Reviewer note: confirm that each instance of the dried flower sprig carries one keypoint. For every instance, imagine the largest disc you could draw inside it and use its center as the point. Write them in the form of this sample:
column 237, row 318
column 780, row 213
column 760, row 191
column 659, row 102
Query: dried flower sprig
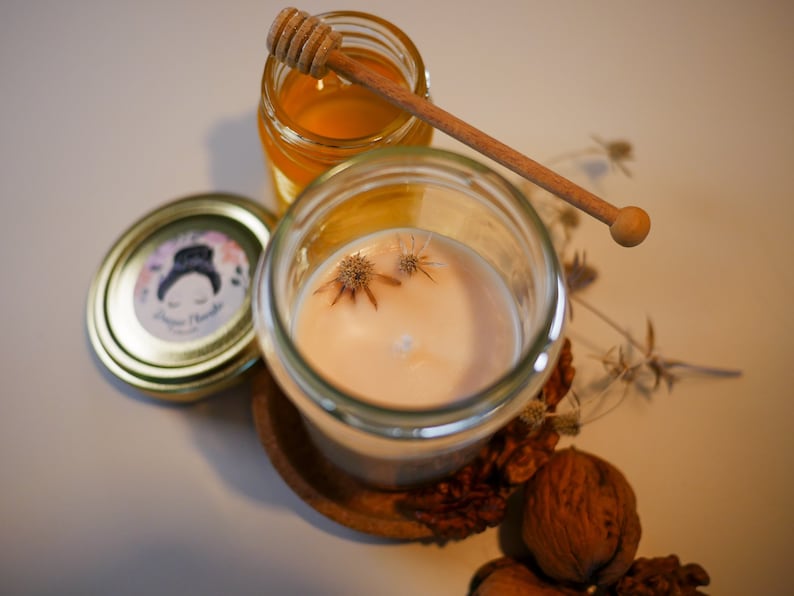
column 616, row 151
column 631, row 364
column 355, row 273
column 412, row 261
column 578, row 276
column 661, row 368
column 635, row 364
column 536, row 412
column 561, row 219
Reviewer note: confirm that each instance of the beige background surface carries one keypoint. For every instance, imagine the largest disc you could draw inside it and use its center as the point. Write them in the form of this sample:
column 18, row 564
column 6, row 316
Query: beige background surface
column 110, row 109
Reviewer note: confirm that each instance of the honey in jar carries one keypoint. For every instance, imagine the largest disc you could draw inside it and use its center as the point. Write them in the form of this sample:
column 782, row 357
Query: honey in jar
column 309, row 125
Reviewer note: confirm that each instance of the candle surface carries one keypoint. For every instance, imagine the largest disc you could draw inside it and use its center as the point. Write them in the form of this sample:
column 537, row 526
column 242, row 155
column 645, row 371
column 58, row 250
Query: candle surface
column 429, row 342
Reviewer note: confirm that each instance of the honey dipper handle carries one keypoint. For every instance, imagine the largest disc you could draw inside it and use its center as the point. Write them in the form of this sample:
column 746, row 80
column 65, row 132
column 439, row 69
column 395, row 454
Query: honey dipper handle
column 629, row 226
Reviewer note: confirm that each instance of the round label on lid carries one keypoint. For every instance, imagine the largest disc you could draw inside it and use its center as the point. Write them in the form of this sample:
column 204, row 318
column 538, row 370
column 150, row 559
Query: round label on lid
column 169, row 309
column 191, row 285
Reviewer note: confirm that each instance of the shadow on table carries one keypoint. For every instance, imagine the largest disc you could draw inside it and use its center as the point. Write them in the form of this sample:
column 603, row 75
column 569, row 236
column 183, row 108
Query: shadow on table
column 167, row 566
column 236, row 160
column 222, row 426
column 223, row 429
column 511, row 544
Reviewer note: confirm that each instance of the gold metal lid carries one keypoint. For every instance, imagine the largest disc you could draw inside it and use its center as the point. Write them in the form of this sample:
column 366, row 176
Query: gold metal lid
column 169, row 310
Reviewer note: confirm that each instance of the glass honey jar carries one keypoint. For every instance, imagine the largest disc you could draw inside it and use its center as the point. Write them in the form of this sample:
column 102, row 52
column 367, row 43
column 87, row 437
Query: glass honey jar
column 308, row 125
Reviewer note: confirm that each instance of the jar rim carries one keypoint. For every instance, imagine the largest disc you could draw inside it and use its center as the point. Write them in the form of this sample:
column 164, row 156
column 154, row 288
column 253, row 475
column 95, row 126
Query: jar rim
column 473, row 410
column 295, row 134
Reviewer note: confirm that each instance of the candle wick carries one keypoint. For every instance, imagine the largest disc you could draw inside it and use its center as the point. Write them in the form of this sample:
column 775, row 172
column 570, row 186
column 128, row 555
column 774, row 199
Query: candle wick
column 404, row 345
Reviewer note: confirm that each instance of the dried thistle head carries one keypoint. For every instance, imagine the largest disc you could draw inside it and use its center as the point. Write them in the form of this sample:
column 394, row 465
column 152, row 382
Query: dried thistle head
column 355, row 273
column 567, row 423
column 578, row 274
column 412, row 261
column 560, row 218
column 569, row 217
column 617, row 364
column 534, row 414
column 618, row 152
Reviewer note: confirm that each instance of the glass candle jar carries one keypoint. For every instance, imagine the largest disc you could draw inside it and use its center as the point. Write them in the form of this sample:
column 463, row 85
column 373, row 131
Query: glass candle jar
column 403, row 367
column 309, row 125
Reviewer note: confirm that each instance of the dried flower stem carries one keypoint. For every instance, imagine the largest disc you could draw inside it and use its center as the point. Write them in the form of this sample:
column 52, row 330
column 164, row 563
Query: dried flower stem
column 648, row 350
column 606, row 319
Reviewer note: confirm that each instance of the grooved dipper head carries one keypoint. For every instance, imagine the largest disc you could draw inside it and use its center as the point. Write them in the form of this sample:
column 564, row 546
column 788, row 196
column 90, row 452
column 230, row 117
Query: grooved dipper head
column 302, row 41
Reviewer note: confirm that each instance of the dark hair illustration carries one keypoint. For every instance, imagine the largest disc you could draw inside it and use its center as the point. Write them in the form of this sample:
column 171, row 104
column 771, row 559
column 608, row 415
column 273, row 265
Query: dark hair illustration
column 191, row 259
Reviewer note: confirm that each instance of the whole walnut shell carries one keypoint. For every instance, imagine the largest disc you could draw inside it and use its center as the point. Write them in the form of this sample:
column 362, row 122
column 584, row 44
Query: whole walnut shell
column 580, row 519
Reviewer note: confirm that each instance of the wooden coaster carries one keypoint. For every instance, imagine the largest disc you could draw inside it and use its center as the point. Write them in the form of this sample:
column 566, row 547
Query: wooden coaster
column 459, row 505
column 323, row 486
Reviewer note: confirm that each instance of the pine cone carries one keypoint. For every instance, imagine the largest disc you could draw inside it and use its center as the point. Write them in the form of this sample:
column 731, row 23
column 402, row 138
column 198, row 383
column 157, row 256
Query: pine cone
column 528, row 457
column 475, row 498
column 480, row 509
column 662, row 576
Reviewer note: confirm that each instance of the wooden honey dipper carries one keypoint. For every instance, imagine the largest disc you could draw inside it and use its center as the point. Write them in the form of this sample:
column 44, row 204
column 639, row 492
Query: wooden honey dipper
column 311, row 46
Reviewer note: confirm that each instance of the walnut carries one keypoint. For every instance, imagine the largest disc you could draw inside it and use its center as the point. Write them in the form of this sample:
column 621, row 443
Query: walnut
column 580, row 520
column 661, row 576
column 508, row 577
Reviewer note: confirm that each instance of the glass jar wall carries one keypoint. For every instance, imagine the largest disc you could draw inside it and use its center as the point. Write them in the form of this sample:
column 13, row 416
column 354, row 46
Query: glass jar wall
column 308, row 125
column 469, row 229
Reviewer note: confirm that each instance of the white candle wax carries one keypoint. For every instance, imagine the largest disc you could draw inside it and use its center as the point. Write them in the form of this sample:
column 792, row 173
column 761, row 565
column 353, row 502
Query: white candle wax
column 429, row 342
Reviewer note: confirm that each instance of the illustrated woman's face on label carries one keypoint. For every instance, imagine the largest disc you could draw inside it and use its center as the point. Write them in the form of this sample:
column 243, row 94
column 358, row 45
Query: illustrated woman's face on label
column 191, row 286
column 190, row 293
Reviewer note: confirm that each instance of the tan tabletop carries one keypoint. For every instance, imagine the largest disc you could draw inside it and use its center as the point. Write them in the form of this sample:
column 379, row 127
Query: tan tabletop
column 111, row 109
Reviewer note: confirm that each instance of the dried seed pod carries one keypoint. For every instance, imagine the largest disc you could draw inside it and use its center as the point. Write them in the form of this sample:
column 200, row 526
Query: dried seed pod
column 580, row 519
